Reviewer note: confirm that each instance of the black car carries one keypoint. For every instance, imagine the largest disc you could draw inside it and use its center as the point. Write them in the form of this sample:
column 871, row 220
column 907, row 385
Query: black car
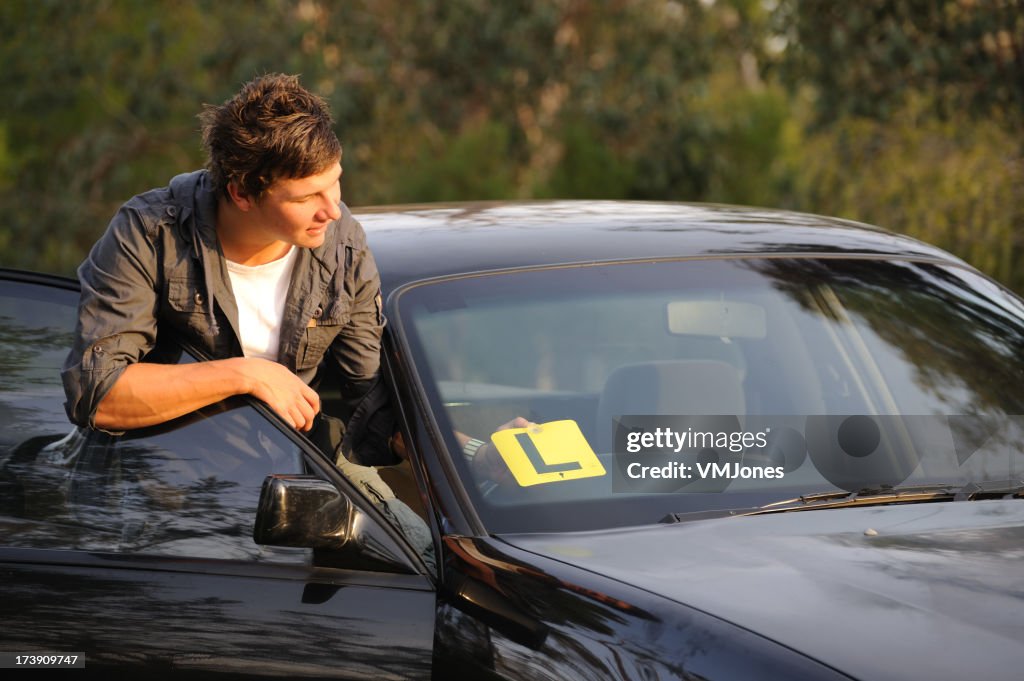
column 752, row 445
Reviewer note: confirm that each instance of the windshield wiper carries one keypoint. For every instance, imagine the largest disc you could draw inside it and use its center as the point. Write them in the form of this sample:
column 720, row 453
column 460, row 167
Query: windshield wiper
column 874, row 496
column 991, row 489
column 868, row 496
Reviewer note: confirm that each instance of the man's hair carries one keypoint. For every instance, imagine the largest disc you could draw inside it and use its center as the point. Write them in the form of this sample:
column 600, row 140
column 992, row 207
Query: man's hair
column 272, row 129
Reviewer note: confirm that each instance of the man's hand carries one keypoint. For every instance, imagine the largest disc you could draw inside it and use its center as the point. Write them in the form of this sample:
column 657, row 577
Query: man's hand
column 283, row 391
column 488, row 462
column 517, row 422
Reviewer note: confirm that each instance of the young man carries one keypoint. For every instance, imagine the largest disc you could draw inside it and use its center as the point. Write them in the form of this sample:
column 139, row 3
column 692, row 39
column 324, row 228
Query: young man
column 254, row 260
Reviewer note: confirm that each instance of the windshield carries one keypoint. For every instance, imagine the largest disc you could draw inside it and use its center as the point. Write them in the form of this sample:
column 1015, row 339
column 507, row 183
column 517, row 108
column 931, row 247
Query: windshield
column 674, row 387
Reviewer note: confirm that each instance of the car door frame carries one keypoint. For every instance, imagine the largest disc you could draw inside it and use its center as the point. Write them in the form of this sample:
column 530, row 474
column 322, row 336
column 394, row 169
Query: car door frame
column 131, row 611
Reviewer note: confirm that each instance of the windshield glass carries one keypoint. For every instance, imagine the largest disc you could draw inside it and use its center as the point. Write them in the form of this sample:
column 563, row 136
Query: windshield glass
column 683, row 386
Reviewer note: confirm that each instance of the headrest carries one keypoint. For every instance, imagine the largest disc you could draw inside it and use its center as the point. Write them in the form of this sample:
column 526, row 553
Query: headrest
column 669, row 388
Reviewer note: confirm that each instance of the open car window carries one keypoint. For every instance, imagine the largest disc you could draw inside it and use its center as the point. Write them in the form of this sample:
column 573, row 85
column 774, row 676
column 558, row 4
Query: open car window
column 186, row 488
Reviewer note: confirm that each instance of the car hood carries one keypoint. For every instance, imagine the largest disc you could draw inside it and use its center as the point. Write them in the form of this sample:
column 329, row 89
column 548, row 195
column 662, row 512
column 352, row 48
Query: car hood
column 914, row 591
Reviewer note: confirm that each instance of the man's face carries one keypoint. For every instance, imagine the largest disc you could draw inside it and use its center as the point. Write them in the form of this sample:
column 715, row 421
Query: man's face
column 298, row 211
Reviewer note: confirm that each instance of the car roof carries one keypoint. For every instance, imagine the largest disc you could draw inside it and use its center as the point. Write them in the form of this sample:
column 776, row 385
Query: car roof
column 417, row 242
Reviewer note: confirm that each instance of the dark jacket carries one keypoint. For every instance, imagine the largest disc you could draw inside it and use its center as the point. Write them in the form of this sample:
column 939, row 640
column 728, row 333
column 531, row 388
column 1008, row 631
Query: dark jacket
column 157, row 278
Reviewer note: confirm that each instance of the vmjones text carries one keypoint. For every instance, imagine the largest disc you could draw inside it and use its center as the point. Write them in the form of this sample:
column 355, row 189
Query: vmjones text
column 703, row 471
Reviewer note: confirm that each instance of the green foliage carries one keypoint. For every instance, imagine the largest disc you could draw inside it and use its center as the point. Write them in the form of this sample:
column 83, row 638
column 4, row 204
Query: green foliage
column 955, row 183
column 916, row 119
column 866, row 57
column 440, row 174
column 101, row 104
column 588, row 168
column 752, row 148
column 904, row 113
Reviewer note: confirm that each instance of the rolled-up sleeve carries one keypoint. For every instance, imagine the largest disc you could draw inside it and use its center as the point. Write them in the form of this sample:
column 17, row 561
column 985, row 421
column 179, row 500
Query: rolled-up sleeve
column 117, row 314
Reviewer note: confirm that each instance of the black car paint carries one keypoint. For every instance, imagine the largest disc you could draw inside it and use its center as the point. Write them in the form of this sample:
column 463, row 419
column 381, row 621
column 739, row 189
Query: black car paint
column 166, row 618
column 823, row 583
column 511, row 607
column 550, row 619
column 415, row 243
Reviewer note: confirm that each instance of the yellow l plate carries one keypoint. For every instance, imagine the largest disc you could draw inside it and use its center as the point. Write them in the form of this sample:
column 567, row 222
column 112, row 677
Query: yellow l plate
column 548, row 452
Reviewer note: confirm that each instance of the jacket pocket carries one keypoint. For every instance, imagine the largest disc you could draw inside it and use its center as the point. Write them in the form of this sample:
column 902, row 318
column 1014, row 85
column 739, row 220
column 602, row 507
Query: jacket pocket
column 187, row 305
column 184, row 295
column 321, row 331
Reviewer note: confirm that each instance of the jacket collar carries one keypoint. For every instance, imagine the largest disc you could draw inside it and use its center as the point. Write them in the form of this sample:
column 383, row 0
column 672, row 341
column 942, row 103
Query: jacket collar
column 198, row 199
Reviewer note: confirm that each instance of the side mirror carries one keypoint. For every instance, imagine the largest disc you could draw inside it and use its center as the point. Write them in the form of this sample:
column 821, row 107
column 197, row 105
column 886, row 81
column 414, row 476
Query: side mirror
column 307, row 512
column 302, row 511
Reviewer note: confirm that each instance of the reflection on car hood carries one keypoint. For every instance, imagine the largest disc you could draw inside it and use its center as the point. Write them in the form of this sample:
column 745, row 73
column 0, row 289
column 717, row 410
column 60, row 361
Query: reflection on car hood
column 915, row 591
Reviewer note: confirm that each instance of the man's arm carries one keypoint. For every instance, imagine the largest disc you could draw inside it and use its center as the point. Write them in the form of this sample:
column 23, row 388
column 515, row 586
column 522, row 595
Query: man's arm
column 147, row 394
column 356, row 351
column 357, row 347
column 116, row 311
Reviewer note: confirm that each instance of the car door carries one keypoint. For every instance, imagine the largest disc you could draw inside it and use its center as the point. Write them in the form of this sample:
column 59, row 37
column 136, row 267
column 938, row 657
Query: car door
column 137, row 551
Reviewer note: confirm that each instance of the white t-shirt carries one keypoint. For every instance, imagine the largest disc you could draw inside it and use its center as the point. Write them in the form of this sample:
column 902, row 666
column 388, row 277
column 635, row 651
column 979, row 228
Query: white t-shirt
column 260, row 293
